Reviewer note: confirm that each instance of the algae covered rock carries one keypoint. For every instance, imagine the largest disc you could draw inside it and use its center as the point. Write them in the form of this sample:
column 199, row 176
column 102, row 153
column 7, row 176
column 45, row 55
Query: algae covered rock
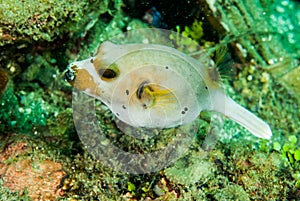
column 232, row 192
column 27, row 170
column 190, row 170
column 45, row 20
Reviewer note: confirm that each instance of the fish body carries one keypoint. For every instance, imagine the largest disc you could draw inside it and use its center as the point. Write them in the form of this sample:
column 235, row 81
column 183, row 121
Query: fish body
column 156, row 86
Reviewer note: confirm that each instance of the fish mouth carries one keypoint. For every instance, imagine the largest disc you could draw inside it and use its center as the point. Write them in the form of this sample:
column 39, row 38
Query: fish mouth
column 70, row 73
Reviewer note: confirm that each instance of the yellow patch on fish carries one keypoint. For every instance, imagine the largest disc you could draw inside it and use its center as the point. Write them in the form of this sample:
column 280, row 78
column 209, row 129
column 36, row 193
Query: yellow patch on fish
column 153, row 95
column 83, row 80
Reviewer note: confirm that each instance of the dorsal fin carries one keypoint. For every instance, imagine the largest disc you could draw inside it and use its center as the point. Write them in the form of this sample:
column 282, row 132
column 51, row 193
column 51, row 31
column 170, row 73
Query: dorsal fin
column 224, row 62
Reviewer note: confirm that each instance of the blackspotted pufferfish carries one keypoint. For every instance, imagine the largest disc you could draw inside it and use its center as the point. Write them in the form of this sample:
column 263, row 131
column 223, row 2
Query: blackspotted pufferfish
column 156, row 86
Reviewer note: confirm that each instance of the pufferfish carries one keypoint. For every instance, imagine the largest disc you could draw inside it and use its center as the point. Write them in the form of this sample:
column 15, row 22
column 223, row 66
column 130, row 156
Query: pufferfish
column 156, row 86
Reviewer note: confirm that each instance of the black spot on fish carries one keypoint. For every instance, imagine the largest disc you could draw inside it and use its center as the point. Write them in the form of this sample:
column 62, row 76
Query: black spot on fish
column 124, row 107
column 182, row 112
column 185, row 109
column 205, row 87
column 167, row 67
column 145, row 106
column 92, row 60
column 127, row 92
column 117, row 114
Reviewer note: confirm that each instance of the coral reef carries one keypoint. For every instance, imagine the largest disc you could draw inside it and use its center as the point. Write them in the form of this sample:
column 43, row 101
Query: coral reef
column 39, row 143
column 46, row 20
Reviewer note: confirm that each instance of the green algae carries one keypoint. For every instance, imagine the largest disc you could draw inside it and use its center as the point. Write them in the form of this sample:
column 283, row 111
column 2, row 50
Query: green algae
column 24, row 114
column 288, row 77
column 6, row 194
column 39, row 92
column 256, row 172
column 88, row 180
column 290, row 151
column 241, row 172
column 25, row 111
column 46, row 20
column 266, row 32
column 263, row 95
column 190, row 170
column 232, row 192
column 272, row 26
column 195, row 31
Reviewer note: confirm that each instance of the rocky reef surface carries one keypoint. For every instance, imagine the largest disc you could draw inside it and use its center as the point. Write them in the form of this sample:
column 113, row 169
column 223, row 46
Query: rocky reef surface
column 41, row 156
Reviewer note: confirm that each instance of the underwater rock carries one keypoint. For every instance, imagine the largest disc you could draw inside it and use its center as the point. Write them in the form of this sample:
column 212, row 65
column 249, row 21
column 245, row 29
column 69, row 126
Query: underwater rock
column 190, row 170
column 45, row 20
column 290, row 78
column 20, row 171
column 232, row 192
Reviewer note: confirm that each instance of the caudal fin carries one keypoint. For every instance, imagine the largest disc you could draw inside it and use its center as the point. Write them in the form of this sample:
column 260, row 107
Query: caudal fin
column 237, row 113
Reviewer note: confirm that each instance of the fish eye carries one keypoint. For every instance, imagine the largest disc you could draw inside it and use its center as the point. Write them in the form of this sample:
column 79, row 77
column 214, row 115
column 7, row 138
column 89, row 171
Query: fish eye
column 109, row 73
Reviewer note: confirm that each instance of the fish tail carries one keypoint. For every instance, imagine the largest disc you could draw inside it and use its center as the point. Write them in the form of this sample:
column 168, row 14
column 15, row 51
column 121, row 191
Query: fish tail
column 245, row 118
